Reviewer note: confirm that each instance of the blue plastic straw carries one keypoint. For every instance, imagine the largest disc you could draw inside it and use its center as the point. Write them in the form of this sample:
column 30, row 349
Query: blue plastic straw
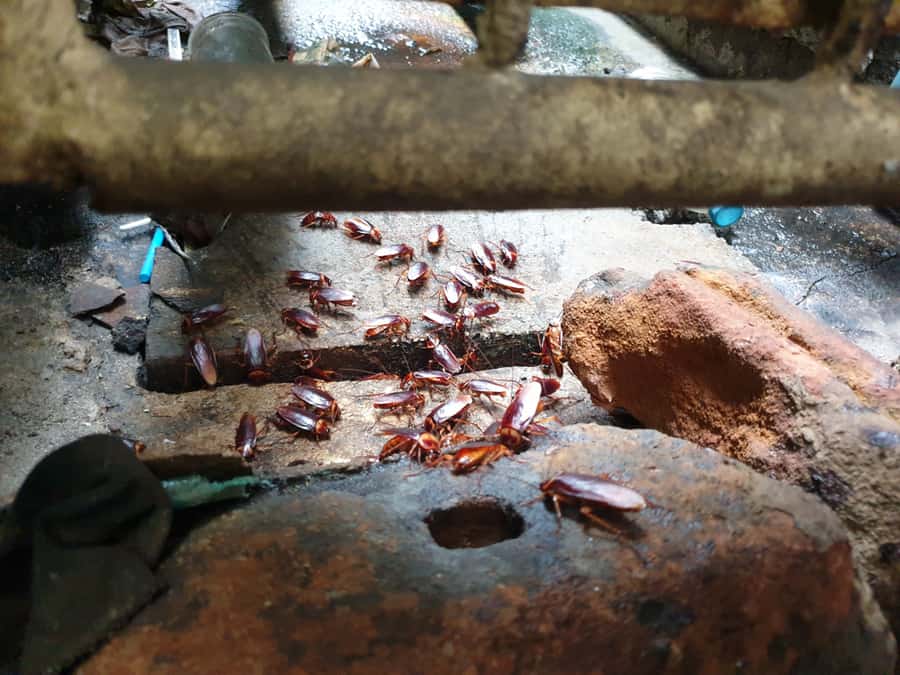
column 896, row 84
column 726, row 216
column 147, row 267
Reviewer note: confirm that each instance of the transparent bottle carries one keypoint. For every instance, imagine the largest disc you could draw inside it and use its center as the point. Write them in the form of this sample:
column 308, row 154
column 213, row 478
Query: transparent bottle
column 229, row 37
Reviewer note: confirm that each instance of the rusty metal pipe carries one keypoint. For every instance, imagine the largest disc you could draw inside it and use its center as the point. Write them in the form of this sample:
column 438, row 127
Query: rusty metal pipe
column 253, row 138
column 770, row 14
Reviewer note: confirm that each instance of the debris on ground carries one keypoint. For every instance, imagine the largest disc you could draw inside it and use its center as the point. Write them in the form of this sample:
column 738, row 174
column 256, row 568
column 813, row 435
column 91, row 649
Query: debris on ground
column 91, row 297
column 129, row 335
column 137, row 27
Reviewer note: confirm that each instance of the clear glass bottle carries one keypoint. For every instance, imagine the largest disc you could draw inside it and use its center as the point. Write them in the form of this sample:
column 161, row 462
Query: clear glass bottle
column 229, row 37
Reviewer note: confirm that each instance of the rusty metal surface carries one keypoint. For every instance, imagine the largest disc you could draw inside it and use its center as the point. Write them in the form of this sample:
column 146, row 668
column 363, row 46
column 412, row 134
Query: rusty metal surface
column 279, row 138
column 727, row 567
column 245, row 269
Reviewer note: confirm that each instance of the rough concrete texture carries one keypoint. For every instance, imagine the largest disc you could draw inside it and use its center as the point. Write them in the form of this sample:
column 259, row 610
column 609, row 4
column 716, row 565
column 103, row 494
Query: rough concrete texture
column 193, row 433
column 722, row 359
column 747, row 53
column 726, row 571
column 245, row 269
column 840, row 264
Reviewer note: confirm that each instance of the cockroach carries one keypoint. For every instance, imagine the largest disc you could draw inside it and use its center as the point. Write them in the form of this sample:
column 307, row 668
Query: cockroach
column 470, row 456
column 483, row 259
column 483, row 388
column 202, row 317
column 317, row 399
column 137, row 447
column 394, row 252
column 398, row 399
column 448, row 412
column 302, row 279
column 246, row 436
column 481, row 310
column 589, row 493
column 389, row 324
column 470, row 281
column 519, row 415
column 256, row 356
column 503, row 284
column 307, row 363
column 417, row 274
column 453, row 294
column 427, row 378
column 319, row 219
column 443, row 320
column 419, row 445
column 551, row 353
column 204, row 360
column 549, row 385
column 362, row 230
column 300, row 320
column 509, row 254
column 446, row 359
column 298, row 419
column 435, row 236
column 333, row 297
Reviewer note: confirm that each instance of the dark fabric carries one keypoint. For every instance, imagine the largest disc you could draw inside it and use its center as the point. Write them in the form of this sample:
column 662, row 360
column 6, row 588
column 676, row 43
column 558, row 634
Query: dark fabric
column 98, row 521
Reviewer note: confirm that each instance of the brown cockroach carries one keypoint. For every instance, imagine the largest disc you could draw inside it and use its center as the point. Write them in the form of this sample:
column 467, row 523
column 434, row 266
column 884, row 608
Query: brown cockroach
column 307, row 364
column 394, row 252
column 300, row 320
column 483, row 259
column 294, row 418
column 317, row 399
column 435, row 236
column 202, row 317
column 396, row 400
column 319, row 219
column 453, row 294
column 246, row 436
column 479, row 387
column 447, row 413
column 551, row 353
column 588, row 493
column 504, row 284
column 389, row 324
column 549, row 385
column 446, row 359
column 509, row 254
column 427, row 378
column 419, row 445
column 362, row 230
column 443, row 320
column 519, row 415
column 481, row 310
column 470, row 281
column 256, row 356
column 331, row 297
column 302, row 279
column 417, row 274
column 204, row 360
column 470, row 456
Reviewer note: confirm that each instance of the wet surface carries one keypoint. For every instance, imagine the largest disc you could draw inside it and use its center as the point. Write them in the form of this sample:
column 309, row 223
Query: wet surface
column 840, row 264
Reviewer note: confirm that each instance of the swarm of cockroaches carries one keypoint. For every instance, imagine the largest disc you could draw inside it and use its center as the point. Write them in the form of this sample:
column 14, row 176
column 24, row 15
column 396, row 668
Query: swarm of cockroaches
column 313, row 411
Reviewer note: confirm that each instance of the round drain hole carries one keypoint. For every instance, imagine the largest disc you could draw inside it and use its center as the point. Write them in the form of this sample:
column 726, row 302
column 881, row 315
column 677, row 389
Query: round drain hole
column 474, row 524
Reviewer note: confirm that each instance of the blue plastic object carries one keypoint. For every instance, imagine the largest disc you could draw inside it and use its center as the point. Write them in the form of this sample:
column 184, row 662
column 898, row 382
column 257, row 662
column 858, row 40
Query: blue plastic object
column 147, row 267
column 896, row 83
column 726, row 216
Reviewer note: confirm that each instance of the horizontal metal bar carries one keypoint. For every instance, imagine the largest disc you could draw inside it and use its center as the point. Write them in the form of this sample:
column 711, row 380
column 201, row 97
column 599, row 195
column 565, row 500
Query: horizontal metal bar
column 148, row 135
column 770, row 14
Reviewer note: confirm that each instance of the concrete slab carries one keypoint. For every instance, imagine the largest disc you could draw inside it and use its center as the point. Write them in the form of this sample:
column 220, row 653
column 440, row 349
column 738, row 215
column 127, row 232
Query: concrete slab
column 194, row 432
column 247, row 264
